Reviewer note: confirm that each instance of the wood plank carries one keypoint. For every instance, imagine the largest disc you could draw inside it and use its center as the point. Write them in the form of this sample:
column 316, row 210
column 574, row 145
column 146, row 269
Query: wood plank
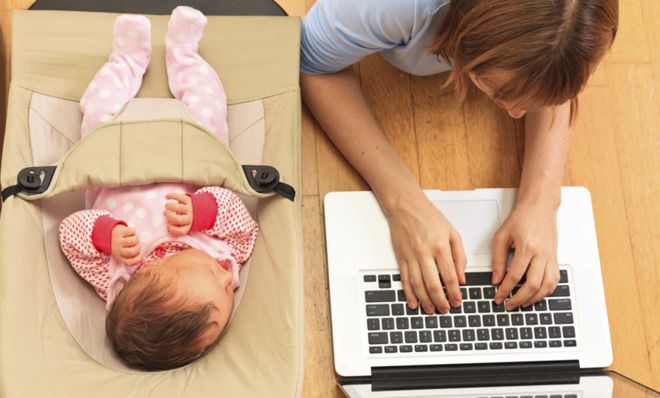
column 310, row 131
column 593, row 163
column 319, row 366
column 637, row 135
column 492, row 142
column 630, row 44
column 650, row 13
column 441, row 135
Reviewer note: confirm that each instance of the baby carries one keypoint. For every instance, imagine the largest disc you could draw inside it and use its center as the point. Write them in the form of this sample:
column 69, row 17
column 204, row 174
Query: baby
column 165, row 257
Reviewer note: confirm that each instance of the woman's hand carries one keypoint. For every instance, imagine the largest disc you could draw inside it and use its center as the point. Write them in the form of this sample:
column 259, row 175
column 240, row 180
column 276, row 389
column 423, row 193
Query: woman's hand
column 426, row 245
column 532, row 231
column 179, row 214
column 125, row 245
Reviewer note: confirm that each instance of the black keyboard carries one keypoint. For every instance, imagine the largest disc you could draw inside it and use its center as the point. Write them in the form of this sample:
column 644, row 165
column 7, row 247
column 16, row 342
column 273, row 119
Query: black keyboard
column 478, row 325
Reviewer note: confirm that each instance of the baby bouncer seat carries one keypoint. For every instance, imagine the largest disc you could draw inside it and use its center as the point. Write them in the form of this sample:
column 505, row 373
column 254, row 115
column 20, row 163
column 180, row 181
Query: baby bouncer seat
column 52, row 342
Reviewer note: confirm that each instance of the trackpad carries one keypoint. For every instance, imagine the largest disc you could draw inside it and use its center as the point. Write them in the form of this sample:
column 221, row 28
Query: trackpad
column 476, row 221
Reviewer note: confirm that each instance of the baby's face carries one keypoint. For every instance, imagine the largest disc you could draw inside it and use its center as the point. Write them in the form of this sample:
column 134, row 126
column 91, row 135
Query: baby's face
column 200, row 279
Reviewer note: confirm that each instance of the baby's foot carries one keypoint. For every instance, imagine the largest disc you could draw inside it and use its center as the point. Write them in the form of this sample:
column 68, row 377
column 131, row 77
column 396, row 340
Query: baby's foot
column 132, row 38
column 185, row 28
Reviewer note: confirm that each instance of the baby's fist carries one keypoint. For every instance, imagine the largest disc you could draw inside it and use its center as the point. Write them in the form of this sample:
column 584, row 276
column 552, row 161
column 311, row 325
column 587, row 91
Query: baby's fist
column 178, row 213
column 126, row 245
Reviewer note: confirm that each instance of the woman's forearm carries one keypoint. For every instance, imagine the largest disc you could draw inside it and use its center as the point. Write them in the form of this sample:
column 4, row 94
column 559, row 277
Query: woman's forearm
column 547, row 135
column 339, row 105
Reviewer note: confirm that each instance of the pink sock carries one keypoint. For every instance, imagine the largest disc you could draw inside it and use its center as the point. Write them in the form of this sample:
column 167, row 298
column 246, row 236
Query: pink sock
column 191, row 79
column 120, row 78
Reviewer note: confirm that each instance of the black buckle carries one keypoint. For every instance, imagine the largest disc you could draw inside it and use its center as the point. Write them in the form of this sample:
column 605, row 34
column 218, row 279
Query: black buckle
column 31, row 180
column 265, row 179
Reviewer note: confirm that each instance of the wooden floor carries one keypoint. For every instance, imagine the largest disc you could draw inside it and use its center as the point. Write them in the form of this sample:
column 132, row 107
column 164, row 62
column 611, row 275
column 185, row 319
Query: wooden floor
column 615, row 153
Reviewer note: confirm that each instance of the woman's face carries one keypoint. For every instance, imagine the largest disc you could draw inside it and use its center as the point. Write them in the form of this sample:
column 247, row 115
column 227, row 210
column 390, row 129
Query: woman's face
column 489, row 83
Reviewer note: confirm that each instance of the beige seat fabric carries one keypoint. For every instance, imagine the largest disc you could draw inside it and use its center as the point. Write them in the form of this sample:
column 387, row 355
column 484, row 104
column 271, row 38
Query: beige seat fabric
column 54, row 55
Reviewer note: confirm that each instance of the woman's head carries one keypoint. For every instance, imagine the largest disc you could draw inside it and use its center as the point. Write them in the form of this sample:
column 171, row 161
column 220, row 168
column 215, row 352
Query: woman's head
column 172, row 311
column 526, row 53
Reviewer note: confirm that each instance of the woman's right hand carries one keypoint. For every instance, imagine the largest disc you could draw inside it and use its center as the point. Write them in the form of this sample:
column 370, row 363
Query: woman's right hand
column 426, row 245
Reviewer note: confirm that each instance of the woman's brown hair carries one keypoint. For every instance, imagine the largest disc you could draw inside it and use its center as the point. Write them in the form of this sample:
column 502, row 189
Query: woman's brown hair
column 549, row 46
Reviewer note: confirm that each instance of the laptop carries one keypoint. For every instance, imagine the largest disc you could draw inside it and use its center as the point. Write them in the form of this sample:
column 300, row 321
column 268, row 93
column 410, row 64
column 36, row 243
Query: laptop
column 380, row 342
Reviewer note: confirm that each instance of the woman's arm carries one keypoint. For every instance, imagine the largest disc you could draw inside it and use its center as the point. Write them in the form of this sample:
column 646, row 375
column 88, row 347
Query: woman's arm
column 532, row 226
column 424, row 241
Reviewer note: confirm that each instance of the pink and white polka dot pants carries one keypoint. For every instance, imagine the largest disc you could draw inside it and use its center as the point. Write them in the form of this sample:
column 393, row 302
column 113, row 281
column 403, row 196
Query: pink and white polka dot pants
column 191, row 79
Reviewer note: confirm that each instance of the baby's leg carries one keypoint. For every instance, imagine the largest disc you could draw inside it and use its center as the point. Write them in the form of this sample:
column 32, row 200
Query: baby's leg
column 120, row 78
column 191, row 79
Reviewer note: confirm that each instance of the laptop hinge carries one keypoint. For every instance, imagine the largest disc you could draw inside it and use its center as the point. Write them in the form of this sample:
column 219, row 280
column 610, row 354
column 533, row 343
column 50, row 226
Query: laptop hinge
column 474, row 375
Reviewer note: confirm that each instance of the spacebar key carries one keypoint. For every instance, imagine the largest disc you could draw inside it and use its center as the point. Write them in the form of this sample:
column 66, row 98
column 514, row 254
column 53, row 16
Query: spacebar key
column 478, row 278
column 379, row 296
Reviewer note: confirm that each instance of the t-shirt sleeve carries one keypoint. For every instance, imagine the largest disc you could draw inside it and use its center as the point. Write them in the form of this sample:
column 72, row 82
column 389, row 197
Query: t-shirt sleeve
column 338, row 33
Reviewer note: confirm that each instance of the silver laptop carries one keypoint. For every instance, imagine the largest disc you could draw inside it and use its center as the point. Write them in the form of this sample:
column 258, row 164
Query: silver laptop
column 378, row 339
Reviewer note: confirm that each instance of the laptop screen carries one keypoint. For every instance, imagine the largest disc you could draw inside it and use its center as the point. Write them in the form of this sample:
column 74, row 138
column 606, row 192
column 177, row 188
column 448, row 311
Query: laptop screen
column 603, row 385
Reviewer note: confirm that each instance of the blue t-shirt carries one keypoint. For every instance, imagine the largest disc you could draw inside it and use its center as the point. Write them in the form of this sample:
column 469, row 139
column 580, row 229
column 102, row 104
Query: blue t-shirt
column 339, row 33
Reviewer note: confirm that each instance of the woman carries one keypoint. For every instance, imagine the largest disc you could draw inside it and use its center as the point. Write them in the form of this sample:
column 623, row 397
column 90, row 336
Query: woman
column 531, row 57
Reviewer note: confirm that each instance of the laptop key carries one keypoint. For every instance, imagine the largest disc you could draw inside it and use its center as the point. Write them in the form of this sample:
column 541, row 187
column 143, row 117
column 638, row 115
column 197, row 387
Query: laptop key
column 377, row 338
column 511, row 334
column 396, row 337
column 451, row 347
column 468, row 335
column 483, row 334
column 488, row 320
column 405, row 348
column 466, row 347
column 568, row 331
column 454, row 335
column 369, row 278
column 464, row 294
column 417, row 322
column 554, row 332
column 402, row 323
column 525, row 344
column 483, row 306
column 410, row 311
column 497, row 307
column 378, row 310
column 387, row 323
column 531, row 319
column 503, row 320
column 460, row 321
column 425, row 336
column 421, row 348
column 526, row 333
column 555, row 343
column 563, row 276
column 497, row 334
column 375, row 350
column 540, row 333
column 400, row 296
column 541, row 305
column 545, row 318
column 540, row 344
column 439, row 336
column 410, row 337
column 562, row 318
column 475, row 293
column 436, row 347
column 474, row 321
column 397, row 309
column 481, row 346
column 390, row 349
column 379, row 296
column 517, row 319
column 495, row 346
column 469, row 307
column 561, row 291
column 510, row 345
column 570, row 343
column 373, row 324
column 445, row 322
column 384, row 278
column 560, row 305
column 455, row 310
column 477, row 278
column 489, row 292
column 396, row 277
column 431, row 322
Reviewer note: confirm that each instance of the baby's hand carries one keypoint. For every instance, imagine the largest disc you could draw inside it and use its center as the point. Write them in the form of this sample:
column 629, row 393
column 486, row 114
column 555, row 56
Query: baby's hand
column 126, row 245
column 179, row 214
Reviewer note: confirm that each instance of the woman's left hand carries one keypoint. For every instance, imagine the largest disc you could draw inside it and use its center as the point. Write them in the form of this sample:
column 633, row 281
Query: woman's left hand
column 531, row 229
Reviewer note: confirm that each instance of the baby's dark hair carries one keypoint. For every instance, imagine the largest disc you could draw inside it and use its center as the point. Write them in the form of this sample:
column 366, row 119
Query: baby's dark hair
column 155, row 331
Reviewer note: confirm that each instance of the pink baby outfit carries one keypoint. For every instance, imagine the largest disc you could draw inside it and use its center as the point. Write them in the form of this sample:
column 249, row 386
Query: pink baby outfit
column 222, row 226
